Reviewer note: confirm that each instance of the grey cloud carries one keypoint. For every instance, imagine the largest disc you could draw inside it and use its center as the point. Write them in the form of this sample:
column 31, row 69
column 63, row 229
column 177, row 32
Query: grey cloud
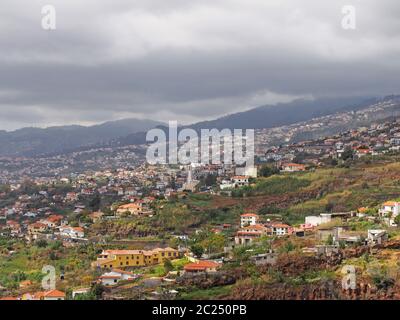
column 187, row 60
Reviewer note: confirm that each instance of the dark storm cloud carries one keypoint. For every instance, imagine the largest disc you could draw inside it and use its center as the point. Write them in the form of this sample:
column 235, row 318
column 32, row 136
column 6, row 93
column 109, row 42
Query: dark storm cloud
column 187, row 60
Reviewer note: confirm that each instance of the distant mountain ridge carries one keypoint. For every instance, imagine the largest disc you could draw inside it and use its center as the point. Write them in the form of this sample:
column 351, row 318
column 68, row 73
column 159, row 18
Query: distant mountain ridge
column 284, row 113
column 270, row 116
column 38, row 141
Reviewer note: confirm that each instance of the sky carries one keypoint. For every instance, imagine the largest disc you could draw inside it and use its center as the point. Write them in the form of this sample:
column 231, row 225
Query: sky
column 187, row 60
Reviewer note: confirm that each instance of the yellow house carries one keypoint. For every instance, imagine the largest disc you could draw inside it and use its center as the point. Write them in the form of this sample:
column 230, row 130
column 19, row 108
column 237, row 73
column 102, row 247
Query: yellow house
column 110, row 259
column 136, row 209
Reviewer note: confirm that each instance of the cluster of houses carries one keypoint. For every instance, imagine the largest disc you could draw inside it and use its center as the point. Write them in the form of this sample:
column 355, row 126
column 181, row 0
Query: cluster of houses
column 51, row 227
column 111, row 259
column 341, row 233
column 251, row 228
column 380, row 137
column 40, row 295
column 136, row 207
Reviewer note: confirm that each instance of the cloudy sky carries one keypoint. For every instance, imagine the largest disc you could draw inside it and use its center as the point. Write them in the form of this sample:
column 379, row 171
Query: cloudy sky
column 187, row 60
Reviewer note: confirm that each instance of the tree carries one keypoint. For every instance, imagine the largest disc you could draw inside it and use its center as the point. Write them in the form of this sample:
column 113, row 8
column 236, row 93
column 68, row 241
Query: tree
column 172, row 183
column 214, row 243
column 347, row 154
column 41, row 243
column 288, row 247
column 94, row 203
column 197, row 250
column 329, row 207
column 329, row 241
column 210, row 180
column 97, row 290
column 168, row 266
column 267, row 171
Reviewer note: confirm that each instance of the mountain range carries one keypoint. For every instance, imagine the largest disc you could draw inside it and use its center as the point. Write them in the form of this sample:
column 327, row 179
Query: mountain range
column 38, row 141
column 31, row 142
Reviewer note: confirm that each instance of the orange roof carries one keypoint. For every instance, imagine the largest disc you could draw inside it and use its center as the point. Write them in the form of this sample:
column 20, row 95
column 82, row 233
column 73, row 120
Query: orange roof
column 363, row 149
column 109, row 277
column 122, row 271
column 249, row 215
column 129, row 206
column 96, row 214
column 123, row 251
column 9, row 298
column 49, row 294
column 201, row 265
column 243, row 233
column 256, row 226
column 294, row 165
column 37, row 225
column 54, row 218
column 54, row 294
column 390, row 203
column 25, row 283
column 279, row 225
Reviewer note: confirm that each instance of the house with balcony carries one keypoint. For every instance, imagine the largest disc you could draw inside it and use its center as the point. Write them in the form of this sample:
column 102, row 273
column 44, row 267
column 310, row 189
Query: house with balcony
column 389, row 211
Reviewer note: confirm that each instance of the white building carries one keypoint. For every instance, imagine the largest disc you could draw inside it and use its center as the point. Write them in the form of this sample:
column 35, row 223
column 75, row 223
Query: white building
column 377, row 236
column 240, row 181
column 250, row 171
column 317, row 220
column 389, row 211
column 72, row 232
column 248, row 219
column 226, row 184
column 115, row 276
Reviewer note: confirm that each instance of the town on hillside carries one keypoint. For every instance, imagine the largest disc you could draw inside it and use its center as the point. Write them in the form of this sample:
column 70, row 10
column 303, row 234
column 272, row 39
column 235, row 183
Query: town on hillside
column 114, row 227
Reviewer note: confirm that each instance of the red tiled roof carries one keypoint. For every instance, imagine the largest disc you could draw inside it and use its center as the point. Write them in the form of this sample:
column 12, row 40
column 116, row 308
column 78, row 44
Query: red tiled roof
column 249, row 215
column 54, row 294
column 201, row 265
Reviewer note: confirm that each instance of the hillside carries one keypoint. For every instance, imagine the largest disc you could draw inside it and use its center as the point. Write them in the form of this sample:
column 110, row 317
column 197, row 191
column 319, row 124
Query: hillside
column 37, row 141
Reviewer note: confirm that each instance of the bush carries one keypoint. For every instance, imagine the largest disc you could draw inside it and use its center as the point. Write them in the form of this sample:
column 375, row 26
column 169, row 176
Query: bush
column 41, row 243
column 197, row 250
column 267, row 171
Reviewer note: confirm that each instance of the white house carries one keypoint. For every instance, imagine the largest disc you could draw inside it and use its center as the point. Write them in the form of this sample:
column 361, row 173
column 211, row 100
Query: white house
column 250, row 171
column 226, row 184
column 377, row 236
column 281, row 229
column 317, row 220
column 72, row 232
column 80, row 291
column 115, row 276
column 293, row 167
column 248, row 219
column 240, row 181
column 389, row 211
